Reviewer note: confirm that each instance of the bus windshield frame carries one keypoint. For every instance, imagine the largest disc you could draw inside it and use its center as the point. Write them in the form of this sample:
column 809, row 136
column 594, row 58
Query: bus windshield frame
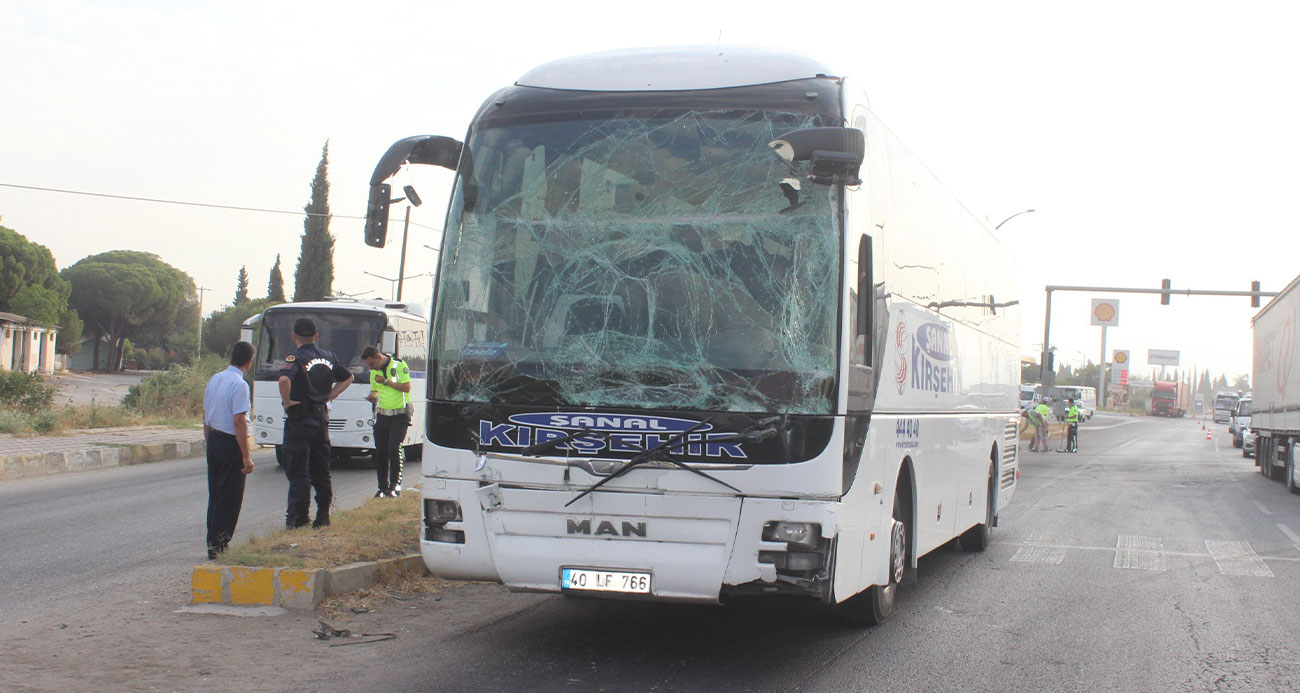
column 344, row 332
column 643, row 257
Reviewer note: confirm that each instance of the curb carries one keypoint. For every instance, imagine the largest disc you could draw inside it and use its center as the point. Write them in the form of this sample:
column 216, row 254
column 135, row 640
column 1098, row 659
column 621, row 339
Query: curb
column 34, row 465
column 293, row 588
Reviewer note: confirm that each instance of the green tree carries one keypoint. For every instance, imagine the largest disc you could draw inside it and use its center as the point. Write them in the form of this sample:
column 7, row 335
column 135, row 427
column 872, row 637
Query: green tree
column 241, row 286
column 221, row 329
column 30, row 286
column 275, row 285
column 315, row 274
column 1242, row 383
column 126, row 294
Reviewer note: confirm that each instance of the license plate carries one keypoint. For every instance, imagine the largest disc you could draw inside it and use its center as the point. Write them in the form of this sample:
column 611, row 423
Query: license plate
column 604, row 580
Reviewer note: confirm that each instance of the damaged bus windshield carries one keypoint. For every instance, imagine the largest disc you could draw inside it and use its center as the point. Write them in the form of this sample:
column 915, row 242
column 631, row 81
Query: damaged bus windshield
column 639, row 259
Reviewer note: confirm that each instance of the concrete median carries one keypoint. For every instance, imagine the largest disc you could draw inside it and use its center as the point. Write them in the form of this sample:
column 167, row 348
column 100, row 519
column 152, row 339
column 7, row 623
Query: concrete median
column 294, row 588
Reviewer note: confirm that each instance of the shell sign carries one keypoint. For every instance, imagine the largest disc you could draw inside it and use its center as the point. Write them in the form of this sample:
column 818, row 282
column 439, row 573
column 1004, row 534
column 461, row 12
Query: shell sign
column 1105, row 312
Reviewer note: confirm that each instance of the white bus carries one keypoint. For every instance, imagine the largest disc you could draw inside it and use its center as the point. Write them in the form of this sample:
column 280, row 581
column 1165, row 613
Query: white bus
column 346, row 327
column 679, row 351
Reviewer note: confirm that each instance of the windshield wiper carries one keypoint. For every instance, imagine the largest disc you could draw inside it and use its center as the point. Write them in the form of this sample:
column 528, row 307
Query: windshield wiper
column 758, row 432
column 658, row 452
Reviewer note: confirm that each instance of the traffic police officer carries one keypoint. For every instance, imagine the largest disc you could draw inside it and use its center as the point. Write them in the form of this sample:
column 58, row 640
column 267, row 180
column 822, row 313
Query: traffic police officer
column 1072, row 420
column 311, row 379
column 390, row 391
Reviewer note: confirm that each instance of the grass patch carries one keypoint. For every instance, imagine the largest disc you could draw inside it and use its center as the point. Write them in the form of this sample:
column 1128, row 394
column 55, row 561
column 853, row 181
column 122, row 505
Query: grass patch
column 72, row 418
column 379, row 528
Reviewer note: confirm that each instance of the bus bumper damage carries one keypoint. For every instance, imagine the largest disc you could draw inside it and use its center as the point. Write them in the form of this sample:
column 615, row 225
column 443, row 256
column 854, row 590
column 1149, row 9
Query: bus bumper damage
column 691, row 548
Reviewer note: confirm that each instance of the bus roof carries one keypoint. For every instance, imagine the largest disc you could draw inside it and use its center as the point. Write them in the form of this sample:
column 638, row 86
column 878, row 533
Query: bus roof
column 681, row 68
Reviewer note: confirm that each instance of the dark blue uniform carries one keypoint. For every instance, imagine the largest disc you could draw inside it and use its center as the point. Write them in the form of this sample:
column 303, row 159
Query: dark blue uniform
column 312, row 372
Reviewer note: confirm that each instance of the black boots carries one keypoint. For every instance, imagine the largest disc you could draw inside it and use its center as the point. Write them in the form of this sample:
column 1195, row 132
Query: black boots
column 322, row 517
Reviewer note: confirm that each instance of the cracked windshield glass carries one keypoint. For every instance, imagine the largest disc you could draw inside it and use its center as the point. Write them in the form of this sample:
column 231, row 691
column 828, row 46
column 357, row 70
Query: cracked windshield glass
column 668, row 261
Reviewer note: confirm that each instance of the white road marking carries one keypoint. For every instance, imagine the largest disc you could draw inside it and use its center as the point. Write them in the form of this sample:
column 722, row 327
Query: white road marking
column 1237, row 558
column 1261, row 507
column 1295, row 539
column 1052, row 555
column 1139, row 553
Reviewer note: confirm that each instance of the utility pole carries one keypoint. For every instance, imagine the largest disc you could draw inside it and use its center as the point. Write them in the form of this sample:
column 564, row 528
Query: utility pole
column 198, row 347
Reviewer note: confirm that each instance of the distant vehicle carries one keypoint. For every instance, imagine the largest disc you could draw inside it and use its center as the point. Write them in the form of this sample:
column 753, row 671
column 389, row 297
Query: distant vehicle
column 1248, row 443
column 1084, row 396
column 1169, row 399
column 1275, row 418
column 1027, row 397
column 346, row 327
column 1198, row 404
column 1240, row 420
column 1223, row 404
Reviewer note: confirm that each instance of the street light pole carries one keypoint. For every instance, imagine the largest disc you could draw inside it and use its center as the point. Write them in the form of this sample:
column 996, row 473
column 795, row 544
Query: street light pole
column 401, row 267
column 393, row 280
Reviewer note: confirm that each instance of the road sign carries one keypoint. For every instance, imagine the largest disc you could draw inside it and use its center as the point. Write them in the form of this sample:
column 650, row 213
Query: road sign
column 1162, row 357
column 1105, row 312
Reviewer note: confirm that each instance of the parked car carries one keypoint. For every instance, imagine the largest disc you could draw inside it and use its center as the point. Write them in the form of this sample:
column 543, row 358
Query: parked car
column 1239, row 421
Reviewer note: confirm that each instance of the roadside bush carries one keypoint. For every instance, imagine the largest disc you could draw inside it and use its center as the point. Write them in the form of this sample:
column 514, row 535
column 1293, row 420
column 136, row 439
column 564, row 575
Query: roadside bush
column 176, row 392
column 25, row 392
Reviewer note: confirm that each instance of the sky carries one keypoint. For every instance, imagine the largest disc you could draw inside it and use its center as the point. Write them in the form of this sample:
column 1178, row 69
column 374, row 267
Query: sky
column 1153, row 140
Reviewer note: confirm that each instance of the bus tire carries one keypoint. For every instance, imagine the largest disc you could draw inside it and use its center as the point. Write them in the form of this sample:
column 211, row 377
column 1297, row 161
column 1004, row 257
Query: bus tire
column 977, row 538
column 875, row 605
column 279, row 455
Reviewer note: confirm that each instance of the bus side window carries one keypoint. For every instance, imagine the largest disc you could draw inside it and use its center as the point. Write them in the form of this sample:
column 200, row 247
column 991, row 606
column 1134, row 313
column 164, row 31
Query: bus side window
column 862, row 340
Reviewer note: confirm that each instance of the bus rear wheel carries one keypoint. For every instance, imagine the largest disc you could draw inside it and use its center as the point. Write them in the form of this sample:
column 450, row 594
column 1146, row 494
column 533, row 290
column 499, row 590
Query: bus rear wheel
column 977, row 538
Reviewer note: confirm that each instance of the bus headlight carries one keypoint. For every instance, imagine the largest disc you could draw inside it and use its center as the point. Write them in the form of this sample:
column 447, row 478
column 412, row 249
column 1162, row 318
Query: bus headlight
column 441, row 510
column 805, row 534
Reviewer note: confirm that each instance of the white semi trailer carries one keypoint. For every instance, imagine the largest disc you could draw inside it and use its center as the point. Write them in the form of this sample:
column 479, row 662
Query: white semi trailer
column 1275, row 419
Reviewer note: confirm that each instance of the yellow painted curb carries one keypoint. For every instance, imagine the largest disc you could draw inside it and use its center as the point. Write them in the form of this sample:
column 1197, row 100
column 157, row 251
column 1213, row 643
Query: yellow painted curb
column 207, row 584
column 252, row 585
column 300, row 589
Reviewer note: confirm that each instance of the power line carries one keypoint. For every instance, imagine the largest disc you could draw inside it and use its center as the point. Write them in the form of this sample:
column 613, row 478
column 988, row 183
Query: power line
column 191, row 204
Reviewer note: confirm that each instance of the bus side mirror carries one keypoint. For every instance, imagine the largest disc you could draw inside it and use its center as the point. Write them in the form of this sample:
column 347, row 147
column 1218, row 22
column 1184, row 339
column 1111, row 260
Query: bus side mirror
column 246, row 334
column 431, row 150
column 389, row 341
column 834, row 155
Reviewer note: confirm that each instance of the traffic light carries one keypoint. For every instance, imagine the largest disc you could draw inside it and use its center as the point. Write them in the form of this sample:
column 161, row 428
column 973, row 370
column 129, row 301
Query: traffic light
column 1254, row 296
column 1164, row 294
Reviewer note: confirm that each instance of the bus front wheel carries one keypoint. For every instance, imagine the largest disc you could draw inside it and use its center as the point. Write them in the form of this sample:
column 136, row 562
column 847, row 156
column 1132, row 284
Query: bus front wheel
column 875, row 605
column 977, row 538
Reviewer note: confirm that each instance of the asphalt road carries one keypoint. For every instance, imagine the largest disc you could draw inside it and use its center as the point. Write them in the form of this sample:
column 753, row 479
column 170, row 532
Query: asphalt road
column 1153, row 559
column 67, row 537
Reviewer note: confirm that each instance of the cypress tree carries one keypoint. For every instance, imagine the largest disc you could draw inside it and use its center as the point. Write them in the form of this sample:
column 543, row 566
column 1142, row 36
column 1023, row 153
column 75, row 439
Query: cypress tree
column 241, row 286
column 275, row 285
column 314, row 278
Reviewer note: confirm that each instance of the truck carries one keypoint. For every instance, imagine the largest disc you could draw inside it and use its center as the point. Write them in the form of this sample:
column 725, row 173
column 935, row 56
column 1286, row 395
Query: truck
column 1275, row 376
column 1223, row 405
column 1169, row 399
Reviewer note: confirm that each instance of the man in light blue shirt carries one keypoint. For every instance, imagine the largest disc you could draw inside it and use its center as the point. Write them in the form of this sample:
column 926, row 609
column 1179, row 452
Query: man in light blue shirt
column 225, row 427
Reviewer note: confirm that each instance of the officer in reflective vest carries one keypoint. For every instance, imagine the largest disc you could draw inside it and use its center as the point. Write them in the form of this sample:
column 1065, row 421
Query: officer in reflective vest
column 1072, row 420
column 390, row 391
column 310, row 380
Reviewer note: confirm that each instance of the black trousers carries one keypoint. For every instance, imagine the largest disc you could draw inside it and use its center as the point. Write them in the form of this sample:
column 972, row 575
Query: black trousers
column 225, row 488
column 389, row 432
column 1072, row 442
column 307, row 465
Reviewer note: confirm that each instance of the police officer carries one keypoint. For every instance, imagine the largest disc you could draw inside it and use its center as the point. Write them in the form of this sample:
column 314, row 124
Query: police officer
column 310, row 379
column 1072, row 420
column 390, row 391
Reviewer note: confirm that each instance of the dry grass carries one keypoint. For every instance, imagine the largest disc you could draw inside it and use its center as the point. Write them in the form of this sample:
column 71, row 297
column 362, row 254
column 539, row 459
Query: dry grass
column 399, row 589
column 379, row 528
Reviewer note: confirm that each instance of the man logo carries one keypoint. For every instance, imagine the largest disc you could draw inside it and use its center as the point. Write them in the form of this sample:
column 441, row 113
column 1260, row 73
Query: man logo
column 606, row 528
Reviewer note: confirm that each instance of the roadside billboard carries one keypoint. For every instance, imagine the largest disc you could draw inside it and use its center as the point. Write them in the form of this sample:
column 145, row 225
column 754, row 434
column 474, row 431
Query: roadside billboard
column 1105, row 312
column 1162, row 357
column 1119, row 365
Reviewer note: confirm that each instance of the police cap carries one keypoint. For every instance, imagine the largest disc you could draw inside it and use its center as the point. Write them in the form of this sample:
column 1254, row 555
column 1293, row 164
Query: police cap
column 304, row 327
